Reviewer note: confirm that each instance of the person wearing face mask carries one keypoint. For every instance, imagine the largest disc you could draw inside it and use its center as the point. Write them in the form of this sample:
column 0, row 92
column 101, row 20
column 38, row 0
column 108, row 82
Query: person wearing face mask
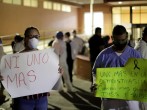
column 142, row 48
column 31, row 39
column 59, row 46
column 116, row 56
column 34, row 101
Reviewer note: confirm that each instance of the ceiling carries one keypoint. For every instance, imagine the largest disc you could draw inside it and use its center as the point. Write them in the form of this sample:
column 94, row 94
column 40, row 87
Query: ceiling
column 82, row 2
column 110, row 2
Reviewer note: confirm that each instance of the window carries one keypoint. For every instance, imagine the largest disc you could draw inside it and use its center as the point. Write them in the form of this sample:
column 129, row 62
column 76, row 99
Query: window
column 34, row 3
column 27, row 2
column 143, row 9
column 16, row 2
column 136, row 14
column 47, row 5
column 116, row 19
column 7, row 1
column 143, row 14
column 139, row 14
column 121, row 15
column 66, row 8
column 30, row 3
column 125, row 15
column 97, row 16
column 116, row 10
column 57, row 6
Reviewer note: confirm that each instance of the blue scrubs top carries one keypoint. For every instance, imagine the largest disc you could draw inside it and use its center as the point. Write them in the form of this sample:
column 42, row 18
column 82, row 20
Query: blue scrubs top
column 109, row 58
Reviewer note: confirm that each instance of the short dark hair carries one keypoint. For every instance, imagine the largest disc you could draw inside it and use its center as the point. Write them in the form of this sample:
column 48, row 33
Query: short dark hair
column 98, row 30
column 28, row 30
column 18, row 38
column 59, row 35
column 68, row 34
column 74, row 31
column 119, row 30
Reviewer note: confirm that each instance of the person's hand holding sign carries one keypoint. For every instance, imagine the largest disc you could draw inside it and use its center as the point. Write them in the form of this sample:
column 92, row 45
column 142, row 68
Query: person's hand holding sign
column 93, row 88
column 60, row 70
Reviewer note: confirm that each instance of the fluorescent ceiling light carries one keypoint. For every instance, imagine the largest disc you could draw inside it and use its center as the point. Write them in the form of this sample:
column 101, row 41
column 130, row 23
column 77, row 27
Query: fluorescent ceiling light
column 119, row 2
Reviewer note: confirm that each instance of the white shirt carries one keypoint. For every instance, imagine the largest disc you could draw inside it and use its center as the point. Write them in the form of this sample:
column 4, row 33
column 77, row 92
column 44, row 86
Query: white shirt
column 76, row 46
column 142, row 48
column 60, row 50
column 19, row 46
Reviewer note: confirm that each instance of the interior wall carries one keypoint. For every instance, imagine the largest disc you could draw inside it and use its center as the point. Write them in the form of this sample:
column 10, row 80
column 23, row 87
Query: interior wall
column 106, row 9
column 15, row 19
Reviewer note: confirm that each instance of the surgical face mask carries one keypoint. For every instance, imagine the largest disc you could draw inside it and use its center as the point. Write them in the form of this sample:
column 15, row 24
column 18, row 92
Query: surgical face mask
column 33, row 43
column 120, row 45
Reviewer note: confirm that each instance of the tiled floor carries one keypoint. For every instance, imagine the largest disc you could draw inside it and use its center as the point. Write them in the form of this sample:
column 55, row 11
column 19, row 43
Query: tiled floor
column 80, row 99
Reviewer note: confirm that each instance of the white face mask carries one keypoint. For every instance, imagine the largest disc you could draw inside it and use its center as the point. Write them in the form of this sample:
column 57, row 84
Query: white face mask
column 33, row 43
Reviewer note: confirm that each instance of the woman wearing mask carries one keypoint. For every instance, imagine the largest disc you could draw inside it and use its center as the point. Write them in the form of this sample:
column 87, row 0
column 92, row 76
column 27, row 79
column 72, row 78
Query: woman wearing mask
column 36, row 101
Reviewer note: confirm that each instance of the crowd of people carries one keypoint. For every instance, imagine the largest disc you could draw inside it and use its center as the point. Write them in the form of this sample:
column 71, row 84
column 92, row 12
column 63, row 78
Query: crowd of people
column 102, row 55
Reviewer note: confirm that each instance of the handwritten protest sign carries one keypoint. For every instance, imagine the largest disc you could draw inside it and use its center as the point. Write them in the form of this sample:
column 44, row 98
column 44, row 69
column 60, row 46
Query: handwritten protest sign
column 129, row 82
column 30, row 72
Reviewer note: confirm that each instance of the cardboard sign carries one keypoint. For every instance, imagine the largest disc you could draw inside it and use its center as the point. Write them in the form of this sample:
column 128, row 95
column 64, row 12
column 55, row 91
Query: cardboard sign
column 129, row 82
column 30, row 72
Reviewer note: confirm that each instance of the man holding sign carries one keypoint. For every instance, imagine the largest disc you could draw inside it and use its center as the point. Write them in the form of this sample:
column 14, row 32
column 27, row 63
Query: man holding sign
column 23, row 74
column 116, row 56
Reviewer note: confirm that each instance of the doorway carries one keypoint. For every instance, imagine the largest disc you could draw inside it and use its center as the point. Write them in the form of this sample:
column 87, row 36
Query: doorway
column 98, row 21
column 137, row 30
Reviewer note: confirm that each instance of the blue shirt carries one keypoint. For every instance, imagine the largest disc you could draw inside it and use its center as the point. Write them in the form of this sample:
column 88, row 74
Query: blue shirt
column 109, row 58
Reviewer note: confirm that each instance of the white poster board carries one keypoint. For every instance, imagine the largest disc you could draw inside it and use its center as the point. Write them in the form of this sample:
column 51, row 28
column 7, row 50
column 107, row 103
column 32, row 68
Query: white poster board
column 30, row 72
